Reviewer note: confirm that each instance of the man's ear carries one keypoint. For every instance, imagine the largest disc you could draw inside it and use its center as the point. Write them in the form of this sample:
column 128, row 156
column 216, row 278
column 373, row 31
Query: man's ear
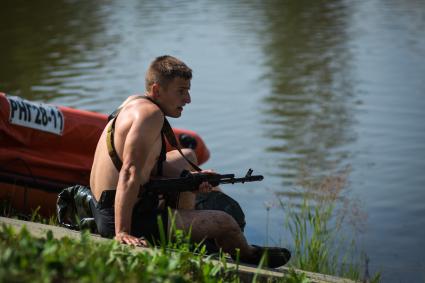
column 155, row 90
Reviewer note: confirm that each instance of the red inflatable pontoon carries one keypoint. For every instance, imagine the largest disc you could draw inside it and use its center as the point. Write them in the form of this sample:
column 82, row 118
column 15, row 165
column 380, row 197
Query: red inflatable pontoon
column 44, row 148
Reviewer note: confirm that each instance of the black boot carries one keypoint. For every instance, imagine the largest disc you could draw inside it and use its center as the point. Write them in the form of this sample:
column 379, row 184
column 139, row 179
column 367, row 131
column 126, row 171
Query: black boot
column 273, row 256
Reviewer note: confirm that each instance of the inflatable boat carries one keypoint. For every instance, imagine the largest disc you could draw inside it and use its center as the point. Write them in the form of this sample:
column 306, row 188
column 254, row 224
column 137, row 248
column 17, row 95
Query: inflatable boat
column 45, row 148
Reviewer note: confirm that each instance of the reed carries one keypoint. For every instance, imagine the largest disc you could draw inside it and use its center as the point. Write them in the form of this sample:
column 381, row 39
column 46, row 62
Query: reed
column 315, row 225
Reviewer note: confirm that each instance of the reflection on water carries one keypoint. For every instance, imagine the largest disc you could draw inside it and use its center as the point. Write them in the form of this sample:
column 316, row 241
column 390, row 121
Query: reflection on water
column 310, row 109
column 49, row 46
column 280, row 86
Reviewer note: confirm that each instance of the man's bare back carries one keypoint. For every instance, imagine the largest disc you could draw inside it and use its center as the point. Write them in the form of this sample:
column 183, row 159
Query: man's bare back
column 104, row 175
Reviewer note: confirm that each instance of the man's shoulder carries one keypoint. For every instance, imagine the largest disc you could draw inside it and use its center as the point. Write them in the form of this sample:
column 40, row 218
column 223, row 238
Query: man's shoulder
column 142, row 111
column 137, row 103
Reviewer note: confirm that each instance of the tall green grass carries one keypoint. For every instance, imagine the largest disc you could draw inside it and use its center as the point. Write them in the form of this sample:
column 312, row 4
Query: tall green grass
column 315, row 224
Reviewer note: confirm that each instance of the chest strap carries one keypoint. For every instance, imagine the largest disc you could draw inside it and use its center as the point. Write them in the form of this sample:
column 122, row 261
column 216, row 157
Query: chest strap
column 166, row 132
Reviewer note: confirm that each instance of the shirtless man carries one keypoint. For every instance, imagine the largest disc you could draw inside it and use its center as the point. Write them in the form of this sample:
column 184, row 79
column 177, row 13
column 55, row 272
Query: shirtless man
column 138, row 143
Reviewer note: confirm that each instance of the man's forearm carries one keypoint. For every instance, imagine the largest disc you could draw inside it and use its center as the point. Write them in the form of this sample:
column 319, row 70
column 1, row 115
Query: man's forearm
column 124, row 203
column 125, row 199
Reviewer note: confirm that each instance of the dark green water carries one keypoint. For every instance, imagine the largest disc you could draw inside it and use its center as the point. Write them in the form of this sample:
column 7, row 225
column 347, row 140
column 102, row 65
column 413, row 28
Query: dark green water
column 278, row 85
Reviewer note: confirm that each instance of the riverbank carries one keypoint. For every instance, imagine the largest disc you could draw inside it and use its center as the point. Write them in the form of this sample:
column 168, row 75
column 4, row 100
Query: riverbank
column 46, row 246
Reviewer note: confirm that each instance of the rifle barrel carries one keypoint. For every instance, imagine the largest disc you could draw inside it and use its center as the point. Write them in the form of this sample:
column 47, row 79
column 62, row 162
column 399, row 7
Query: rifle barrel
column 242, row 180
column 224, row 176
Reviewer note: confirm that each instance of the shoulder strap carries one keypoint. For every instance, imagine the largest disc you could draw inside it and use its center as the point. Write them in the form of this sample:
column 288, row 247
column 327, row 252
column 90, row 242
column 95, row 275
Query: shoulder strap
column 110, row 136
column 169, row 134
column 166, row 131
column 162, row 155
column 111, row 145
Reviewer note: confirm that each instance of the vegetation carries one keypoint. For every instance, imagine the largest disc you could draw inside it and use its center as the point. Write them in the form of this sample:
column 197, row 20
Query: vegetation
column 24, row 258
column 315, row 226
column 7, row 210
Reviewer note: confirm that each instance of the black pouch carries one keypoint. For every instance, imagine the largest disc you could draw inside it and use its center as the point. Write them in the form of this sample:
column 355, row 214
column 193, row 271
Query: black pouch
column 107, row 199
column 73, row 208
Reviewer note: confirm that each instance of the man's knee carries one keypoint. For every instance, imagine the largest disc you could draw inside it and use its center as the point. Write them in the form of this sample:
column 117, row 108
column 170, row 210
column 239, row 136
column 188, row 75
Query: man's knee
column 214, row 223
column 225, row 222
column 190, row 154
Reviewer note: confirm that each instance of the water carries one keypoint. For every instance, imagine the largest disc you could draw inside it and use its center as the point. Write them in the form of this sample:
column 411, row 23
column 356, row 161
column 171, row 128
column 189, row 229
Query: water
column 278, row 85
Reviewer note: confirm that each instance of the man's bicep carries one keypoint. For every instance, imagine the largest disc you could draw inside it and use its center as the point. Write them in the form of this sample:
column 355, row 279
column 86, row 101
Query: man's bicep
column 139, row 141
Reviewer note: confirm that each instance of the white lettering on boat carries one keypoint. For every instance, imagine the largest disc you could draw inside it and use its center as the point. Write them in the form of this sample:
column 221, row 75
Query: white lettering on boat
column 40, row 116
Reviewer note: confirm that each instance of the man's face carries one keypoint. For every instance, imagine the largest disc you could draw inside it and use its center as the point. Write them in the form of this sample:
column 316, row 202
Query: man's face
column 175, row 97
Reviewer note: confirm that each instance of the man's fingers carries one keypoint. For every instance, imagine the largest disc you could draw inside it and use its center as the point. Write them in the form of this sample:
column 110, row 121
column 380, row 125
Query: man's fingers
column 205, row 187
column 141, row 242
column 127, row 240
column 133, row 241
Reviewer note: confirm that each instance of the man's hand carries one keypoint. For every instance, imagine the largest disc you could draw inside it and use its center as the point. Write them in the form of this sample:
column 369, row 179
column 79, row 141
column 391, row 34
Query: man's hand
column 126, row 238
column 204, row 187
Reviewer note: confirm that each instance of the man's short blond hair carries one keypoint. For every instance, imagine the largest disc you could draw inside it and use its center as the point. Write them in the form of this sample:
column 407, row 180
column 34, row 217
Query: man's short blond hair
column 164, row 69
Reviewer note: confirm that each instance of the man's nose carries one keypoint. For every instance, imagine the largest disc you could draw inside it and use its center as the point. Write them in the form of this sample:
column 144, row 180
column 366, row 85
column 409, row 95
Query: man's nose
column 188, row 99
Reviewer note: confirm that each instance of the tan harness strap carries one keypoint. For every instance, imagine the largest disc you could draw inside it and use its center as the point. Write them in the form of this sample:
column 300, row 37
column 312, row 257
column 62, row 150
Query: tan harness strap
column 111, row 145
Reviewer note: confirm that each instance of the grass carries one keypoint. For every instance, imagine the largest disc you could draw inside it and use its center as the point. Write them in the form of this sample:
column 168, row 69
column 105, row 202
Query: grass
column 315, row 227
column 7, row 210
column 24, row 258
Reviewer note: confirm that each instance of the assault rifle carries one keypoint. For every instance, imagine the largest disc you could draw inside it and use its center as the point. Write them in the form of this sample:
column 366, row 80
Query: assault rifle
column 191, row 182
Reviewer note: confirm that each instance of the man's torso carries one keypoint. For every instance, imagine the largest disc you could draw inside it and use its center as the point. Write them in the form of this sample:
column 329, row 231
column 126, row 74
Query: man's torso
column 104, row 174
